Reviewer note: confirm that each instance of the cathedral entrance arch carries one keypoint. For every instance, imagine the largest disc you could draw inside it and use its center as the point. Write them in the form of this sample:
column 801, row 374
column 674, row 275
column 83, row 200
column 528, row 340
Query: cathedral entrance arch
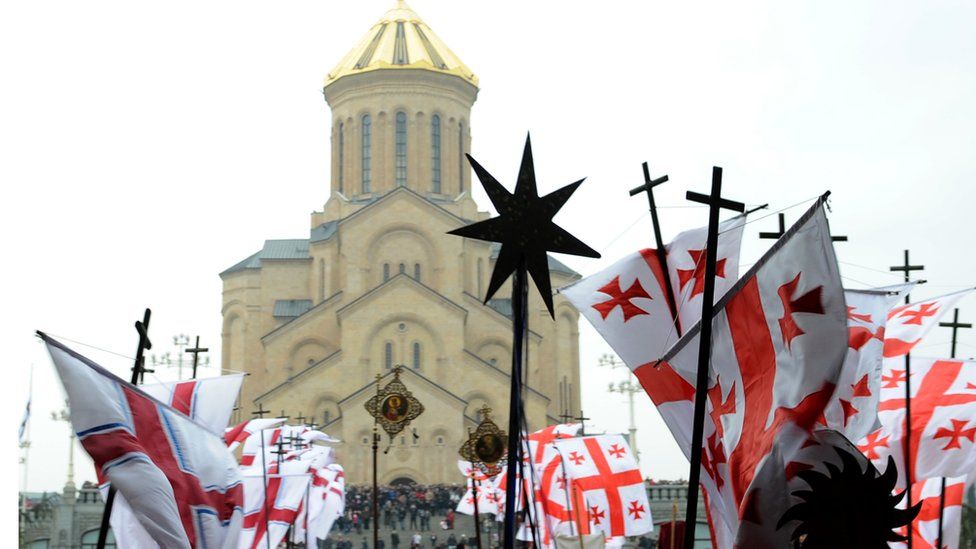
column 403, row 481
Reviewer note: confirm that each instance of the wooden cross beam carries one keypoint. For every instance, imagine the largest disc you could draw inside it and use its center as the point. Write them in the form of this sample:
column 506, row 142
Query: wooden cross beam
column 782, row 231
column 196, row 350
column 648, row 188
column 260, row 411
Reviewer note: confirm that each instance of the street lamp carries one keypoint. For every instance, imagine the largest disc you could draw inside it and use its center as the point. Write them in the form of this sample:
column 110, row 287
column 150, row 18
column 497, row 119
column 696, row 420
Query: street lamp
column 625, row 387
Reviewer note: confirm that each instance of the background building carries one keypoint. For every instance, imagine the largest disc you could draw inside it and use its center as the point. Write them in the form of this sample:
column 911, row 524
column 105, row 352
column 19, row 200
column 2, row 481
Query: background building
column 377, row 282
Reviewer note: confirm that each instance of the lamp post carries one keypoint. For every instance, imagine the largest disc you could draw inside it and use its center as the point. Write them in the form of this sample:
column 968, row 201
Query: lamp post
column 65, row 415
column 181, row 342
column 625, row 387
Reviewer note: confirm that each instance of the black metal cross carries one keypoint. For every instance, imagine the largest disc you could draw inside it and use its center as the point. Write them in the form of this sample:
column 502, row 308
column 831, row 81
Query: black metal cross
column 284, row 416
column 648, row 188
column 139, row 366
column 196, row 350
column 582, row 421
column 300, row 418
column 565, row 416
column 715, row 204
column 906, row 268
column 313, row 425
column 955, row 325
column 260, row 411
column 279, row 451
column 782, row 231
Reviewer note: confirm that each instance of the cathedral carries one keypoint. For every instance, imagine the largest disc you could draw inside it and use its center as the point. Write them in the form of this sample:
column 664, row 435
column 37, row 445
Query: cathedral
column 377, row 282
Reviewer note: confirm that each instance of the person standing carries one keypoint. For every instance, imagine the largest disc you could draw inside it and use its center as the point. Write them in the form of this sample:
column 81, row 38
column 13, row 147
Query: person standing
column 394, row 540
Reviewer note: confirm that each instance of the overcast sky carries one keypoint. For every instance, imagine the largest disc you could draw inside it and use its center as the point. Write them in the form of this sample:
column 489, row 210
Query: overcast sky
column 145, row 147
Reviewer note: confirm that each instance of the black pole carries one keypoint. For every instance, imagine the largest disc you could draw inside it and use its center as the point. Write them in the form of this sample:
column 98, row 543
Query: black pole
column 662, row 256
column 138, row 370
column 520, row 290
column 715, row 203
column 955, row 325
column 376, row 506
column 264, row 488
column 477, row 521
column 907, row 268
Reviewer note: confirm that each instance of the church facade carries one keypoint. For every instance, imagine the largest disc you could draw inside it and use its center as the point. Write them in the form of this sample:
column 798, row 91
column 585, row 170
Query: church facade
column 377, row 282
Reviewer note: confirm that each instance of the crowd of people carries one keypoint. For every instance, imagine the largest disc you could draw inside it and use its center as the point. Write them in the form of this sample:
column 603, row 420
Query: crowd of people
column 412, row 516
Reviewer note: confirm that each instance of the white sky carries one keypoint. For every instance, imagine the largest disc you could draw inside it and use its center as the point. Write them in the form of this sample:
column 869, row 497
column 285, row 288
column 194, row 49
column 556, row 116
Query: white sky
column 145, row 147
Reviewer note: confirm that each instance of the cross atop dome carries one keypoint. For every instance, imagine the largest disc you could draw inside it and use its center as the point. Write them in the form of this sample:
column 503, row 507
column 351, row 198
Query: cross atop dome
column 401, row 40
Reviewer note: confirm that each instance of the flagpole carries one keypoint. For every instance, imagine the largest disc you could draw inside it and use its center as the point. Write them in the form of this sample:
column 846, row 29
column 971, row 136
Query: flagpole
column 25, row 445
column 955, row 325
column 477, row 522
column 376, row 446
column 264, row 487
column 662, row 256
column 907, row 268
column 138, row 371
column 520, row 290
column 715, row 204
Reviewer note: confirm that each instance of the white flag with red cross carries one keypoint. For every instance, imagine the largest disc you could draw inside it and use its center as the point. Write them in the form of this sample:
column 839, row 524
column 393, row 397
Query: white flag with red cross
column 925, row 528
column 487, row 499
column 209, row 401
column 853, row 409
column 778, row 344
column 234, row 436
column 180, row 481
column 603, row 468
column 270, row 509
column 272, row 441
column 324, row 501
column 943, row 434
column 908, row 324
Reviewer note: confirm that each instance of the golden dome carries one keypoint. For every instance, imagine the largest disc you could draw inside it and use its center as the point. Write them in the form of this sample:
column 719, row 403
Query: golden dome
column 401, row 40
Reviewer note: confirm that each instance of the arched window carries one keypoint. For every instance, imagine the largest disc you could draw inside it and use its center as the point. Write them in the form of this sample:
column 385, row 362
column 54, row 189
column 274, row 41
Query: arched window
column 435, row 152
column 400, row 173
column 416, row 271
column 386, row 272
column 388, row 355
column 461, row 157
column 342, row 155
column 367, row 173
column 326, row 417
column 416, row 355
column 481, row 268
column 403, row 268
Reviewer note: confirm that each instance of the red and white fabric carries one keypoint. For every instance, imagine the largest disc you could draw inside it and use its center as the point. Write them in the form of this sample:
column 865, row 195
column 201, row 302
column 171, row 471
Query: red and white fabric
column 179, row 479
column 268, row 439
column 853, row 409
column 686, row 266
column 209, row 401
column 234, row 436
column 270, row 517
column 487, row 499
column 908, row 324
column 326, row 503
column 925, row 529
column 604, row 470
column 778, row 343
column 943, row 437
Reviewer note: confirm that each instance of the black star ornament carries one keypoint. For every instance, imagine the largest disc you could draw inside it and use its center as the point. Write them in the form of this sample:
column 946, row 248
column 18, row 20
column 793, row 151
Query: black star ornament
column 524, row 227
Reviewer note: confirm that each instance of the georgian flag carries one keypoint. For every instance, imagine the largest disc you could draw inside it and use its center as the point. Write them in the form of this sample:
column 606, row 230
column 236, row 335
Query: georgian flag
column 943, row 438
column 925, row 529
column 778, row 344
column 234, row 436
column 268, row 440
column 178, row 478
column 326, row 502
column 908, row 324
column 603, row 468
column 853, row 409
column 270, row 510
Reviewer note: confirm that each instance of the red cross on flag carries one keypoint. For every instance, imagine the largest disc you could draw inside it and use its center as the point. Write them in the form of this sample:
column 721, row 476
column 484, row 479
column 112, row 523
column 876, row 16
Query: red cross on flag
column 603, row 468
column 686, row 263
column 778, row 343
column 326, row 502
column 853, row 409
column 285, row 492
column 943, row 437
column 180, row 482
column 925, row 529
column 908, row 324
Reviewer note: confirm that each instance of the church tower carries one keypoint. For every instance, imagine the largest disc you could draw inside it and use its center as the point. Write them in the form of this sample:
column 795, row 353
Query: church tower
column 378, row 282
